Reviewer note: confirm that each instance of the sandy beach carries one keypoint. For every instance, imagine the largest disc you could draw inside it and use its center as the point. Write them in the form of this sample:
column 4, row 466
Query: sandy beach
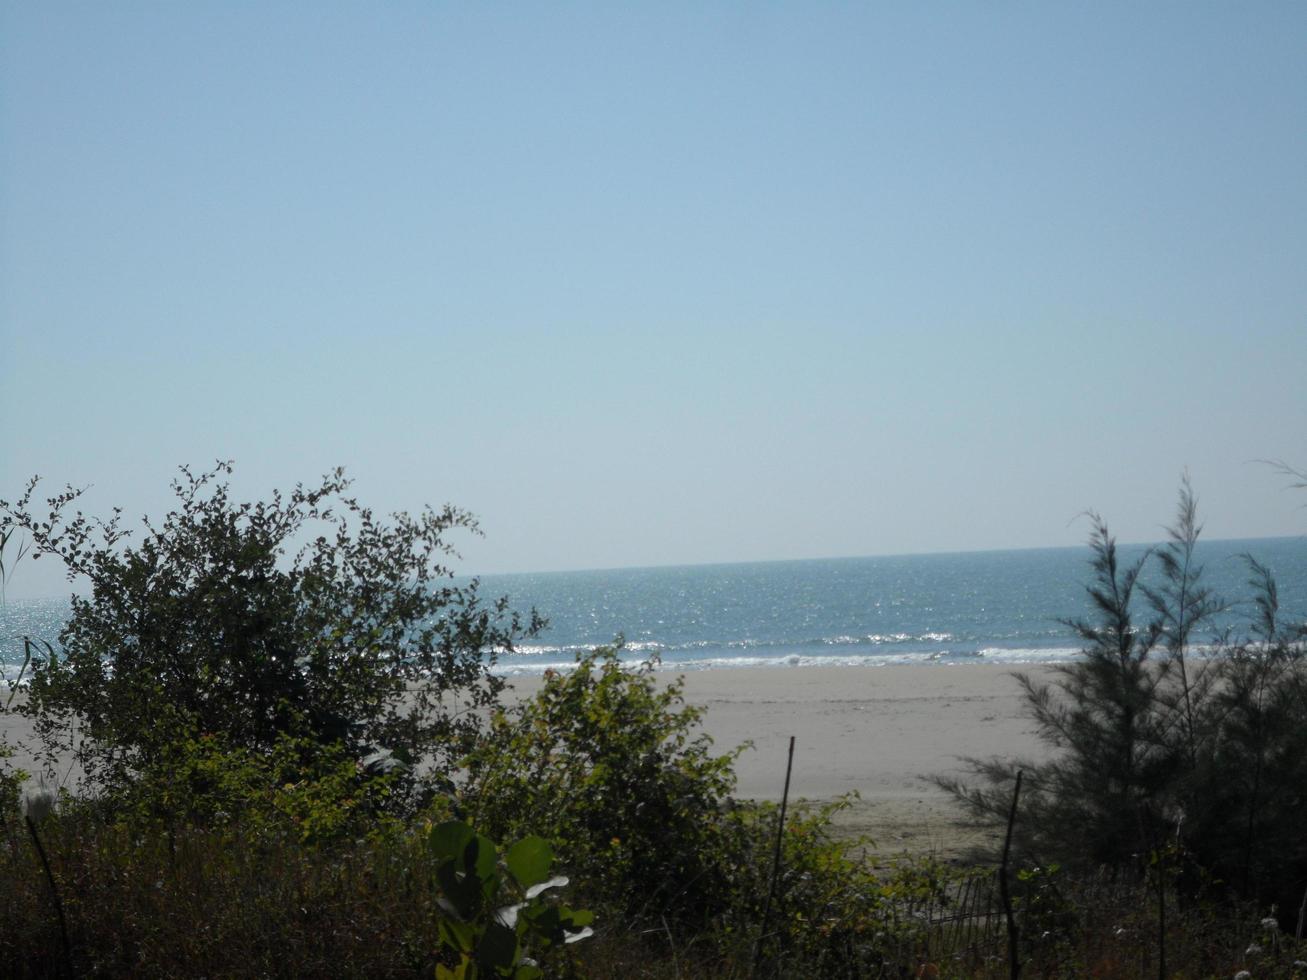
column 877, row 730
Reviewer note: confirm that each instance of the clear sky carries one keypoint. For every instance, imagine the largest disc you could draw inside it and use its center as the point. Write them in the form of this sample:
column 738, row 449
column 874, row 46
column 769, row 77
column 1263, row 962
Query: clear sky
column 663, row 283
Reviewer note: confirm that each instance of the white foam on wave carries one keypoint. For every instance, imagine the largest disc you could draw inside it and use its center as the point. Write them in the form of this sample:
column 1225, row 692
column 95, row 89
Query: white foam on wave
column 789, row 658
column 1053, row 655
column 936, row 658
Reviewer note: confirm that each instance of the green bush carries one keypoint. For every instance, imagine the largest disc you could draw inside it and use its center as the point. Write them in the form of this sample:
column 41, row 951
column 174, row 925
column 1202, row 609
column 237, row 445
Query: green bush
column 298, row 789
column 605, row 762
column 303, row 617
column 11, row 779
column 832, row 915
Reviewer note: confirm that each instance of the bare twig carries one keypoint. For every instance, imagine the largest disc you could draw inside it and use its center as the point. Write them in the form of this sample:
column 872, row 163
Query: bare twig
column 1013, row 960
column 1161, row 914
column 1302, row 915
column 775, row 861
column 54, row 894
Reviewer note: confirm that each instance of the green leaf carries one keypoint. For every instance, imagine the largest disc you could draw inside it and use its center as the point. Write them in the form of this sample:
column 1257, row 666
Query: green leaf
column 498, row 947
column 481, row 859
column 577, row 918
column 543, row 922
column 466, row 970
column 462, row 891
column 457, row 935
column 449, row 839
column 529, row 860
column 528, row 972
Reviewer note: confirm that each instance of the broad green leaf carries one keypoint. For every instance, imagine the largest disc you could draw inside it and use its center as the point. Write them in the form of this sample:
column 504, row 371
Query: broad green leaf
column 498, row 947
column 463, row 891
column 457, row 935
column 465, row 970
column 577, row 918
column 529, row 860
column 544, row 923
column 482, row 857
column 528, row 971
column 449, row 839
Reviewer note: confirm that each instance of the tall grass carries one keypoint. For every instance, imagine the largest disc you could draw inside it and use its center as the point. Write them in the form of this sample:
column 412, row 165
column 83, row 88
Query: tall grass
column 194, row 902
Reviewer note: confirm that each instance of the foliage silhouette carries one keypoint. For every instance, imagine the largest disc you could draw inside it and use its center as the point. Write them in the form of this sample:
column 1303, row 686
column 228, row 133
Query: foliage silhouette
column 303, row 616
column 1163, row 747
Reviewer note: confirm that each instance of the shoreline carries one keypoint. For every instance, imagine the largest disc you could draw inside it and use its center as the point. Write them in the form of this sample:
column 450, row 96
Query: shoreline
column 1019, row 658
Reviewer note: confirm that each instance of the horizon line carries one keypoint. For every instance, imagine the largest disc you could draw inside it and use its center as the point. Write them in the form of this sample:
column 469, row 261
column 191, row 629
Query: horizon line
column 854, row 557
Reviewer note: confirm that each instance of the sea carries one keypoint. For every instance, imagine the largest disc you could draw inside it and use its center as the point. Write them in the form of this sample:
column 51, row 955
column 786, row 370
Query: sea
column 1005, row 607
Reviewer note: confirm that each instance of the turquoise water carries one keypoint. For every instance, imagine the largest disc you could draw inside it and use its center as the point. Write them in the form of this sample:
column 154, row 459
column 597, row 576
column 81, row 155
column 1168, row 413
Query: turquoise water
column 975, row 607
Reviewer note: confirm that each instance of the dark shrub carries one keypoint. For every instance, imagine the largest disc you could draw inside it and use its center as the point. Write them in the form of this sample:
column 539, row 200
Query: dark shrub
column 302, row 617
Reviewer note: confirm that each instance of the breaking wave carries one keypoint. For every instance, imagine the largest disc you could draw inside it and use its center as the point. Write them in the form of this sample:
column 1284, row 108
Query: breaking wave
column 990, row 655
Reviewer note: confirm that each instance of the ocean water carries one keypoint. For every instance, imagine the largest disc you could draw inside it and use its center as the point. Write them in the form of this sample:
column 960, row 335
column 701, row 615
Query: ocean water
column 974, row 607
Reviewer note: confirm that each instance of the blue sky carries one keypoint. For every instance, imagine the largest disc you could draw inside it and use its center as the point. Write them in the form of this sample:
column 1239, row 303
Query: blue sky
column 664, row 283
